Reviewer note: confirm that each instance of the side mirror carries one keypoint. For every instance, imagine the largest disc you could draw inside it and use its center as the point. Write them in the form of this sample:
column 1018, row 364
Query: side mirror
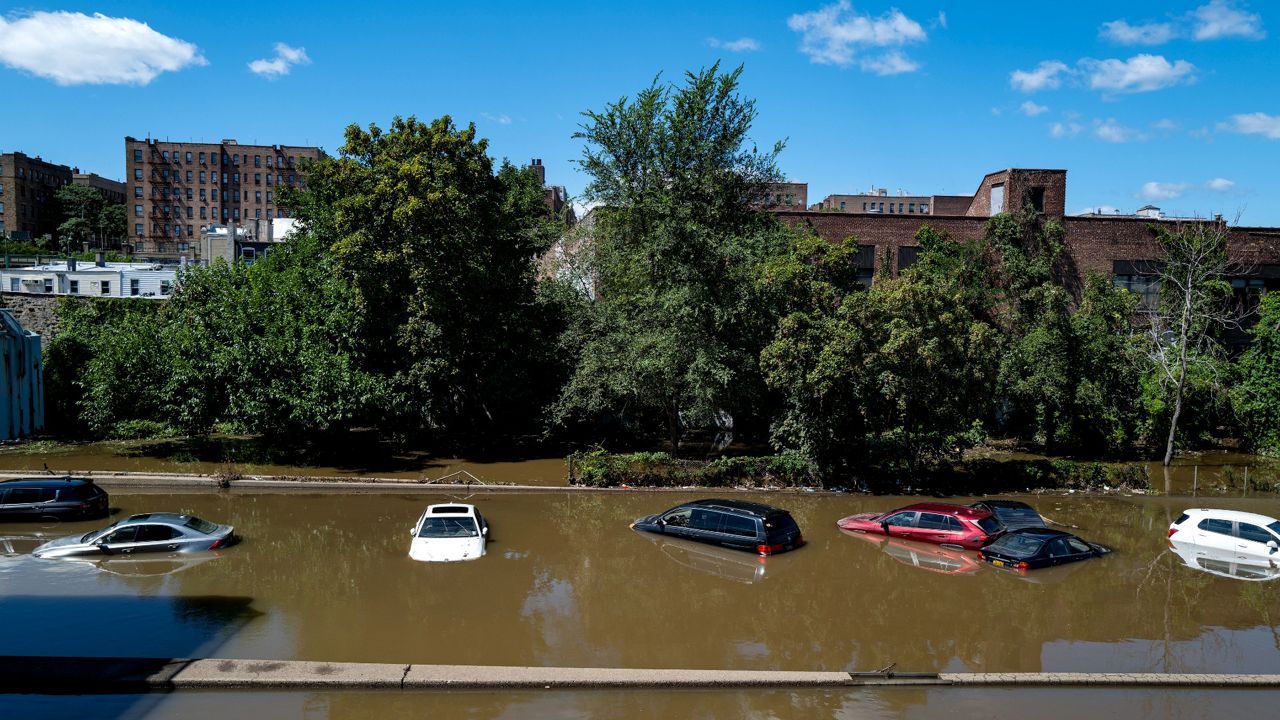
column 660, row 522
column 484, row 530
column 884, row 526
column 1274, row 546
column 413, row 531
column 103, row 547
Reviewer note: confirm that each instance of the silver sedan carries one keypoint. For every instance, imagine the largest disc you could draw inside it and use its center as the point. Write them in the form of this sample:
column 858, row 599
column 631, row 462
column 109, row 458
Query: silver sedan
column 146, row 533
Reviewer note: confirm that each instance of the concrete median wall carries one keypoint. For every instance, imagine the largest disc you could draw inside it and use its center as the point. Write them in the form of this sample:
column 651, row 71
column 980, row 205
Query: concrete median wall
column 136, row 675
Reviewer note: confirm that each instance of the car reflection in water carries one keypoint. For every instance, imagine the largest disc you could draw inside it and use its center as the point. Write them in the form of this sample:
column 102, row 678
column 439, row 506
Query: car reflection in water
column 933, row 558
column 718, row 561
column 1224, row 562
column 145, row 565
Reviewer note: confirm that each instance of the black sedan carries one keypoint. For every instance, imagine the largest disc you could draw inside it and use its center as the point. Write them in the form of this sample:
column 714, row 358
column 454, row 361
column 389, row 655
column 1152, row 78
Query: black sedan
column 1012, row 514
column 1031, row 548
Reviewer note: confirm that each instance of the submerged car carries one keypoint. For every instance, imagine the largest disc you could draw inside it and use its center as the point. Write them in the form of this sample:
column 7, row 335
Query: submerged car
column 449, row 532
column 737, row 524
column 944, row 524
column 51, row 499
column 1032, row 548
column 1242, row 534
column 145, row 533
column 1012, row 514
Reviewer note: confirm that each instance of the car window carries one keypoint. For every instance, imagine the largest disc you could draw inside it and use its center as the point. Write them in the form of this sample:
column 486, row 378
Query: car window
column 1254, row 533
column 448, row 527
column 123, row 535
column 932, row 521
column 155, row 533
column 199, row 525
column 1275, row 527
column 738, row 525
column 1017, row 546
column 31, row 495
column 988, row 524
column 902, row 519
column 1181, row 519
column 678, row 517
column 705, row 520
column 1079, row 545
column 1059, row 548
column 953, row 524
column 1216, row 526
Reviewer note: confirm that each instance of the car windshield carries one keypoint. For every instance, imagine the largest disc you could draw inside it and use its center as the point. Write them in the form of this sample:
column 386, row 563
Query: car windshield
column 989, row 524
column 1274, row 527
column 1017, row 546
column 448, row 527
column 98, row 533
column 199, row 525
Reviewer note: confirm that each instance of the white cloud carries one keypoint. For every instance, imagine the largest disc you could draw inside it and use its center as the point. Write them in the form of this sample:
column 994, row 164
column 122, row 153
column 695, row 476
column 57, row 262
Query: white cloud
column 1119, row 31
column 1220, row 184
column 77, row 49
column 1058, row 130
column 1046, row 76
column 995, row 111
column 280, row 65
column 1162, row 191
column 941, row 20
column 744, row 44
column 1140, row 73
column 1164, row 124
column 1258, row 123
column 500, row 118
column 1030, row 109
column 1221, row 19
column 837, row 35
column 1113, row 132
column 893, row 62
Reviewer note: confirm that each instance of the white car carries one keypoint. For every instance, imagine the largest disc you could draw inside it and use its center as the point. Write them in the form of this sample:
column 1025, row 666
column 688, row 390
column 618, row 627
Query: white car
column 449, row 533
column 1238, row 534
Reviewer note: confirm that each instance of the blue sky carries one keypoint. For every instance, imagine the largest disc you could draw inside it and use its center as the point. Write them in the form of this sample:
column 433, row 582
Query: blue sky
column 1172, row 103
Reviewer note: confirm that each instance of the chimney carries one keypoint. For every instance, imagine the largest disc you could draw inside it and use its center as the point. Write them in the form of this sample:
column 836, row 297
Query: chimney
column 71, row 264
column 538, row 168
column 100, row 259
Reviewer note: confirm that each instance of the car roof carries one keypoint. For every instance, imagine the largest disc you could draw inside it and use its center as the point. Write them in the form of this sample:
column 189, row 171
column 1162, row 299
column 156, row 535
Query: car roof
column 1236, row 515
column 739, row 505
column 1042, row 532
column 451, row 509
column 162, row 517
column 45, row 482
column 1006, row 504
column 946, row 509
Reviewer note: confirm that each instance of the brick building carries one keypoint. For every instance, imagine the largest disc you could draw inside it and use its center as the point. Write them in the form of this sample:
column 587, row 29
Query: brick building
column 179, row 188
column 785, row 196
column 113, row 191
column 1120, row 246
column 878, row 201
column 28, row 205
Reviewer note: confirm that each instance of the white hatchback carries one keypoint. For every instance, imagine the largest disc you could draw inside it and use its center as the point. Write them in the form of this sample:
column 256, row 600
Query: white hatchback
column 449, row 533
column 1239, row 534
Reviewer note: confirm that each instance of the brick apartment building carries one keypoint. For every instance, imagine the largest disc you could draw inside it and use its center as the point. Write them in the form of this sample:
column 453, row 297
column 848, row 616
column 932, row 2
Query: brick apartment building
column 180, row 188
column 28, row 206
column 1120, row 246
column 113, row 191
column 878, row 201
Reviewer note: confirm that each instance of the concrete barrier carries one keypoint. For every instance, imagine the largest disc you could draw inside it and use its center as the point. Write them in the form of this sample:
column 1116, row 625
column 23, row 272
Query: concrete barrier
column 135, row 675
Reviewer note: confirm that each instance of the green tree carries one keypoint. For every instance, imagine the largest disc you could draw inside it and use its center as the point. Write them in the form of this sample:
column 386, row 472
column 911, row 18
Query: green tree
column 439, row 250
column 676, row 330
column 113, row 224
column 81, row 208
column 1257, row 390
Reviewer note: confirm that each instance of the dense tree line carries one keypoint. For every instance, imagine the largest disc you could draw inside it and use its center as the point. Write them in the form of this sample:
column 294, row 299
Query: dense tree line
column 411, row 302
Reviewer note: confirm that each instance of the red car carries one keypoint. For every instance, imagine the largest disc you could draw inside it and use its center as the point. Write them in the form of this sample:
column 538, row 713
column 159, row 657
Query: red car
column 939, row 523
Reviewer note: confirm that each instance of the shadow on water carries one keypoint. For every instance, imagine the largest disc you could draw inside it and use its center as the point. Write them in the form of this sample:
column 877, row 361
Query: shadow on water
column 106, row 627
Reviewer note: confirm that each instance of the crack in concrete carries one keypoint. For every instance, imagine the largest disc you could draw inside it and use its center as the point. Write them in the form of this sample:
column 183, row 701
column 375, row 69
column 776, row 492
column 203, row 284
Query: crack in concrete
column 405, row 676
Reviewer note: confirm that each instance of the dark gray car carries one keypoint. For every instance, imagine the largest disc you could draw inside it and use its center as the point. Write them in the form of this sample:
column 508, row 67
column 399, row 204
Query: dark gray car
column 37, row 499
column 737, row 524
column 146, row 533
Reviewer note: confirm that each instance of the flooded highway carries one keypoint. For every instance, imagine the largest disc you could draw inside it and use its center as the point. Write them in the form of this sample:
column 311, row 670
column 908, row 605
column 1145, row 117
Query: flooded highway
column 567, row 583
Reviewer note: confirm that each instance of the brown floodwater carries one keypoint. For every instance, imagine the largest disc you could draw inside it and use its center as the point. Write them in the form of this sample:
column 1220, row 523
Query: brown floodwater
column 251, row 456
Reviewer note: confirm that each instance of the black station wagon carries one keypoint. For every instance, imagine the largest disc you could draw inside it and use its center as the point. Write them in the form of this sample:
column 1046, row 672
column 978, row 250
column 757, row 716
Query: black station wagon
column 51, row 498
column 735, row 524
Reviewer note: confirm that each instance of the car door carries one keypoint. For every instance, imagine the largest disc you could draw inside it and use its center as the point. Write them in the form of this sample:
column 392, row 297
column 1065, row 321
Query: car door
column 901, row 525
column 119, row 542
column 1060, row 551
column 158, row 538
column 704, row 525
column 940, row 529
column 677, row 522
column 740, row 531
column 1215, row 533
column 1251, row 541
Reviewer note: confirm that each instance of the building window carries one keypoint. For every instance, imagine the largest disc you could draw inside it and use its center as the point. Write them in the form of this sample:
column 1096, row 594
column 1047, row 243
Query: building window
column 137, row 191
column 13, row 284
column 911, row 207
column 164, row 154
column 268, row 178
column 190, row 211
column 73, row 287
column 291, row 177
column 236, row 213
column 268, row 213
column 257, row 161
column 268, row 194
column 224, row 178
column 257, row 178
column 257, row 213
column 997, row 199
column 105, row 288
column 235, row 159
column 924, row 208
column 48, row 285
column 137, row 211
column 189, row 230
column 1037, row 199
column 134, row 288
column 188, row 156
column 137, row 173
column 137, row 229
column 201, row 160
column 183, row 247
column 257, row 196
column 268, row 161
column 137, row 155
column 164, row 287
column 1146, row 287
column 202, row 215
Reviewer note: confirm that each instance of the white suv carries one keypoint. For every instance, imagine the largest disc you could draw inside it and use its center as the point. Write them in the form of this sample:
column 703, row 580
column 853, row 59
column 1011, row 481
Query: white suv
column 1244, row 535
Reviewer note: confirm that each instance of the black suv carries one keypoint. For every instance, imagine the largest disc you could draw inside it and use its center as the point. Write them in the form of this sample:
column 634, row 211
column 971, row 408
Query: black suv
column 51, row 498
column 732, row 523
